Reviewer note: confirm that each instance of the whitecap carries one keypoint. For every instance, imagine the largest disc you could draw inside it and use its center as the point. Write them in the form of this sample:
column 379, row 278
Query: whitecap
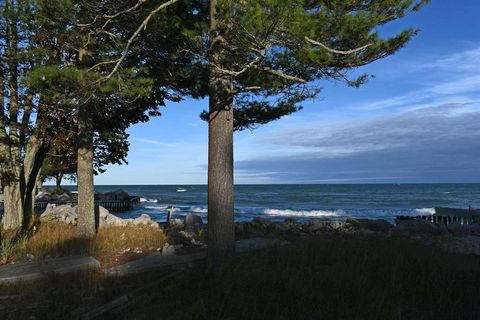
column 199, row 210
column 426, row 211
column 160, row 208
column 148, row 200
column 303, row 213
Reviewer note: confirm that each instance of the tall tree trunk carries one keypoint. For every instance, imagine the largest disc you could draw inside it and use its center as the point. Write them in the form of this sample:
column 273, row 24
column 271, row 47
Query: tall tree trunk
column 13, row 206
column 15, row 186
column 86, row 193
column 221, row 226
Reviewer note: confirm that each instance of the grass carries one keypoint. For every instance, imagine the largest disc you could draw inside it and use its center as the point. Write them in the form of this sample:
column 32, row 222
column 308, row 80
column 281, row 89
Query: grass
column 53, row 239
column 326, row 277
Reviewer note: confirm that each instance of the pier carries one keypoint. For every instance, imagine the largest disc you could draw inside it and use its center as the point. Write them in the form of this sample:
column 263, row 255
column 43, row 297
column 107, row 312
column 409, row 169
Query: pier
column 110, row 205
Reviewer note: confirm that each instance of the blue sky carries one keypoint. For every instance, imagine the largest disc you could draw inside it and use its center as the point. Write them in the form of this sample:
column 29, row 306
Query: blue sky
column 417, row 121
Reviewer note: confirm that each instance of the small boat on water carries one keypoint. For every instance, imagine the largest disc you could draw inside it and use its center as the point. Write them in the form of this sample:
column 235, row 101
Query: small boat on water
column 181, row 190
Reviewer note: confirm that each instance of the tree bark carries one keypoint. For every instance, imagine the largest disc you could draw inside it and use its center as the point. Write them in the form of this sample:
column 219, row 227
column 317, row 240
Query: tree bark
column 13, row 206
column 86, row 193
column 221, row 226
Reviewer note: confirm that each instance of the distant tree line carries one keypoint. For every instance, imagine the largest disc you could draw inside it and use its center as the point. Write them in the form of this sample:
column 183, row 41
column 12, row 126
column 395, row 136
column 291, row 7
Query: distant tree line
column 75, row 74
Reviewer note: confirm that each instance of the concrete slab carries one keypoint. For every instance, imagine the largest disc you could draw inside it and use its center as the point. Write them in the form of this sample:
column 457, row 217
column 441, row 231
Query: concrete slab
column 157, row 260
column 36, row 270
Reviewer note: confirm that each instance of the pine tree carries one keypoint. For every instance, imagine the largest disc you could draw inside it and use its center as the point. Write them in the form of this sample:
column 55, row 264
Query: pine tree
column 265, row 57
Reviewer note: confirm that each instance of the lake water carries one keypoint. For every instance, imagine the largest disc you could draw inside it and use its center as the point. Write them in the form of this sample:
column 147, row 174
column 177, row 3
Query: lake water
column 277, row 202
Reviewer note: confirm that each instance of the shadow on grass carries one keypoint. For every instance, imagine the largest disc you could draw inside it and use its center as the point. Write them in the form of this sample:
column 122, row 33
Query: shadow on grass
column 328, row 277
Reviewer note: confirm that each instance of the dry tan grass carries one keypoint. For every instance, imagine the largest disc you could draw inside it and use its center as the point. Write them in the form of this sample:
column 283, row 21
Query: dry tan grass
column 112, row 245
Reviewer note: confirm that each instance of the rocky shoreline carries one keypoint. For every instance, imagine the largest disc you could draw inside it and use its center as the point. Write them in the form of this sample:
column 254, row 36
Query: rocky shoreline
column 191, row 231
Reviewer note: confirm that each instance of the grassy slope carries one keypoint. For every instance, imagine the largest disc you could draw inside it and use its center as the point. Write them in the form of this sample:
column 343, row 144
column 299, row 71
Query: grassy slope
column 53, row 239
column 328, row 277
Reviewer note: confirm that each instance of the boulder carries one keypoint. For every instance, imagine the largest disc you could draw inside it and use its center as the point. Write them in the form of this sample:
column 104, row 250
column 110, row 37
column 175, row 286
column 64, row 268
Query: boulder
column 417, row 227
column 455, row 228
column 379, row 225
column 108, row 219
column 143, row 219
column 63, row 198
column 240, row 227
column 317, row 226
column 193, row 222
column 64, row 213
column 473, row 228
column 43, row 196
column 168, row 250
column 176, row 224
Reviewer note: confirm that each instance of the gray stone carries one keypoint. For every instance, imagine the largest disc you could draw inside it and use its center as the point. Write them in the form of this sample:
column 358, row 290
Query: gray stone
column 143, row 219
column 108, row 219
column 63, row 213
column 168, row 250
column 240, row 227
column 193, row 222
column 416, row 227
column 316, row 225
column 473, row 228
column 176, row 224
column 455, row 228
column 378, row 225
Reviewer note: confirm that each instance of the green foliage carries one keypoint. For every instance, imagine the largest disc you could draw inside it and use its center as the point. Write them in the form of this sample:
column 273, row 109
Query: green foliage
column 278, row 52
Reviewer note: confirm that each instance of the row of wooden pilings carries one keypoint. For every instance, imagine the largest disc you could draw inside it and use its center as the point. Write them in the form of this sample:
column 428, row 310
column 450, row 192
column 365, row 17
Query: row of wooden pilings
column 110, row 205
column 446, row 219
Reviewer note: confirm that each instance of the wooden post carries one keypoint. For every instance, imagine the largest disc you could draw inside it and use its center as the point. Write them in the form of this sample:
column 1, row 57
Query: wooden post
column 169, row 214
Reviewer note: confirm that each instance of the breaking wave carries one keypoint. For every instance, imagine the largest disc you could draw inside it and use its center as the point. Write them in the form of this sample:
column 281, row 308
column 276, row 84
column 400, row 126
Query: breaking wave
column 425, row 210
column 303, row 213
column 148, row 200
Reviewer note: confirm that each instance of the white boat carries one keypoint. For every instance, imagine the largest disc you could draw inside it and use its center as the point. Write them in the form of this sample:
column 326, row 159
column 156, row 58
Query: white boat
column 181, row 190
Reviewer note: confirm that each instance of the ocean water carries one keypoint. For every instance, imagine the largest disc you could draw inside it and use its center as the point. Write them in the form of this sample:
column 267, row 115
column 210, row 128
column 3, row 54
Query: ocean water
column 278, row 202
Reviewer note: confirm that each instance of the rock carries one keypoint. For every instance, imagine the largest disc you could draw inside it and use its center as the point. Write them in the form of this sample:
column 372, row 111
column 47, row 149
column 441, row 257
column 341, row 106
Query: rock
column 417, row 227
column 108, row 219
column 168, row 250
column 143, row 219
column 176, row 224
column 193, row 222
column 115, row 195
column 63, row 213
column 473, row 228
column 240, row 227
column 316, row 226
column 379, row 225
column 337, row 225
column 63, row 198
column 455, row 228
column 43, row 196
column 30, row 256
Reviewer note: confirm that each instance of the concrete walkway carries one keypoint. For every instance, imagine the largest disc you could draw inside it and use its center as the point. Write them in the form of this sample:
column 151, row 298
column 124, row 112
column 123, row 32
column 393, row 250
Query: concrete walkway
column 157, row 260
column 36, row 270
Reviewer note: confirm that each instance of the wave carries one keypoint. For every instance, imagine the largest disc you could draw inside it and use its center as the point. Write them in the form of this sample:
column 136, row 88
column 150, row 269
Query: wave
column 426, row 210
column 161, row 208
column 303, row 213
column 199, row 210
column 148, row 200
